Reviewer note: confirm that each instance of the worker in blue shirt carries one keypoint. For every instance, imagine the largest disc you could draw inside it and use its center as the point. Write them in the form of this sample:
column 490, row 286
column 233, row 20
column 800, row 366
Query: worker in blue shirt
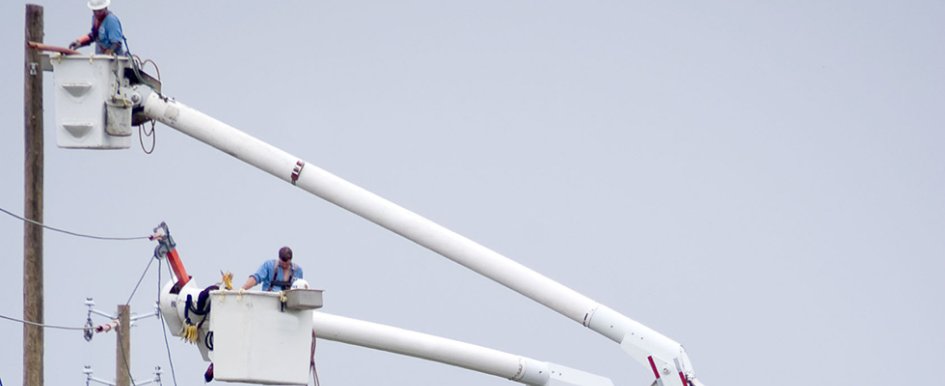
column 276, row 275
column 106, row 31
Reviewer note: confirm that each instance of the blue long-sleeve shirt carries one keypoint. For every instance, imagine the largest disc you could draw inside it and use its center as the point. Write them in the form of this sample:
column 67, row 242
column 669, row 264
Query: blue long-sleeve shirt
column 269, row 269
column 108, row 35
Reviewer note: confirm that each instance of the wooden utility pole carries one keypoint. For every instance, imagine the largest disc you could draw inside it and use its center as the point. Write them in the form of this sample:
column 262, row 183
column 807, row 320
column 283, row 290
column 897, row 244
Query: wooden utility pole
column 123, row 351
column 33, row 342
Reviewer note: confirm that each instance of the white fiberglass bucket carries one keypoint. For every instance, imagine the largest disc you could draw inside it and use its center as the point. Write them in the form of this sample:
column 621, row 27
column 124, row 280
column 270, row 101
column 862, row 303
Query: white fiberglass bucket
column 88, row 102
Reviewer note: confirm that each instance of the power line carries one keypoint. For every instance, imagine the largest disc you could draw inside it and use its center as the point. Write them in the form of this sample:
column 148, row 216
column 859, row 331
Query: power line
column 124, row 355
column 150, row 261
column 40, row 324
column 72, row 233
column 164, row 327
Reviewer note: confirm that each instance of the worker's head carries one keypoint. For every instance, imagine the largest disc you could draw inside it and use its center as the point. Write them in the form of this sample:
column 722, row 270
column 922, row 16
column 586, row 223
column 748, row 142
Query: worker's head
column 99, row 6
column 285, row 257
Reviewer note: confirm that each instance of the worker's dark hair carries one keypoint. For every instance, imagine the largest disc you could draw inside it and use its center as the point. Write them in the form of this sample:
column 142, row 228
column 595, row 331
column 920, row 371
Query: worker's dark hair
column 285, row 253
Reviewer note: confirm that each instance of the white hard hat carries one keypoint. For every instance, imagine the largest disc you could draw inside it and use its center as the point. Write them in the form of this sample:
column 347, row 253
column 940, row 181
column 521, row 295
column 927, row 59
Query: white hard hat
column 96, row 5
column 300, row 284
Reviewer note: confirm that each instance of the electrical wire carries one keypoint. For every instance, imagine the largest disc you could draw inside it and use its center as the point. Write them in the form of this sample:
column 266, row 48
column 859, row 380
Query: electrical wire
column 135, row 290
column 314, row 368
column 124, row 355
column 73, row 233
column 164, row 327
column 40, row 324
column 150, row 261
column 124, row 359
column 168, row 346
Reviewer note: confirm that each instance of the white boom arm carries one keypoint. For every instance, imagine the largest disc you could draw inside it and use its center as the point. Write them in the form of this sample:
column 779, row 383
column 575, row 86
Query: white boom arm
column 477, row 358
column 666, row 358
column 359, row 333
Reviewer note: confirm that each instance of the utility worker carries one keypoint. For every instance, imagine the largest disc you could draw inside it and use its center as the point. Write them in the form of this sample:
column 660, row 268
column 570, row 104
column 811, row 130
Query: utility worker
column 276, row 275
column 106, row 31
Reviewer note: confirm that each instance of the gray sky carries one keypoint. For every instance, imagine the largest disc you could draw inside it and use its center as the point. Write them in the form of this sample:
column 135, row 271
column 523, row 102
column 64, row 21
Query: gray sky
column 760, row 181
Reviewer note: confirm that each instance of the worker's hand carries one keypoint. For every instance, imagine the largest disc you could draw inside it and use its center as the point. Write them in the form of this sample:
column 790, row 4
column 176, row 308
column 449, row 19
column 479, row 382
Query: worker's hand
column 74, row 45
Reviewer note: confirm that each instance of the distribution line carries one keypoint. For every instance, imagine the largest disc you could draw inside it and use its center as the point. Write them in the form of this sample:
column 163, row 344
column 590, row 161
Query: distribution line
column 150, row 260
column 164, row 327
column 40, row 324
column 72, row 233
column 123, row 354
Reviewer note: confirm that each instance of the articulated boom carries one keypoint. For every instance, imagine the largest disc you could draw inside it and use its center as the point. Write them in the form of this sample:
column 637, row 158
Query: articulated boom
column 665, row 357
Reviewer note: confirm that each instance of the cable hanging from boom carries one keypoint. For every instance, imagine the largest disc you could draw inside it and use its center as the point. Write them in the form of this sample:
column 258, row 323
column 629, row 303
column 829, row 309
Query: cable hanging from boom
column 143, row 132
column 72, row 233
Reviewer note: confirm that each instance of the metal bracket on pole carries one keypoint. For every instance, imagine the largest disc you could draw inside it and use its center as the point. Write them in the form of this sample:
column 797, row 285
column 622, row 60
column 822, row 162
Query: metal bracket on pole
column 87, row 370
column 116, row 323
column 113, row 318
column 89, row 378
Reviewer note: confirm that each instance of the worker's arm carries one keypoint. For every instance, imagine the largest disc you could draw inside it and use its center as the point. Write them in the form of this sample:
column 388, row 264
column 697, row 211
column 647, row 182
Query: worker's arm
column 264, row 271
column 81, row 41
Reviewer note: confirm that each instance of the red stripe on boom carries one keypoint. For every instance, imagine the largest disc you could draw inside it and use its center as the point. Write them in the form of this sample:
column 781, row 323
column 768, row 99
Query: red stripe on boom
column 653, row 366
